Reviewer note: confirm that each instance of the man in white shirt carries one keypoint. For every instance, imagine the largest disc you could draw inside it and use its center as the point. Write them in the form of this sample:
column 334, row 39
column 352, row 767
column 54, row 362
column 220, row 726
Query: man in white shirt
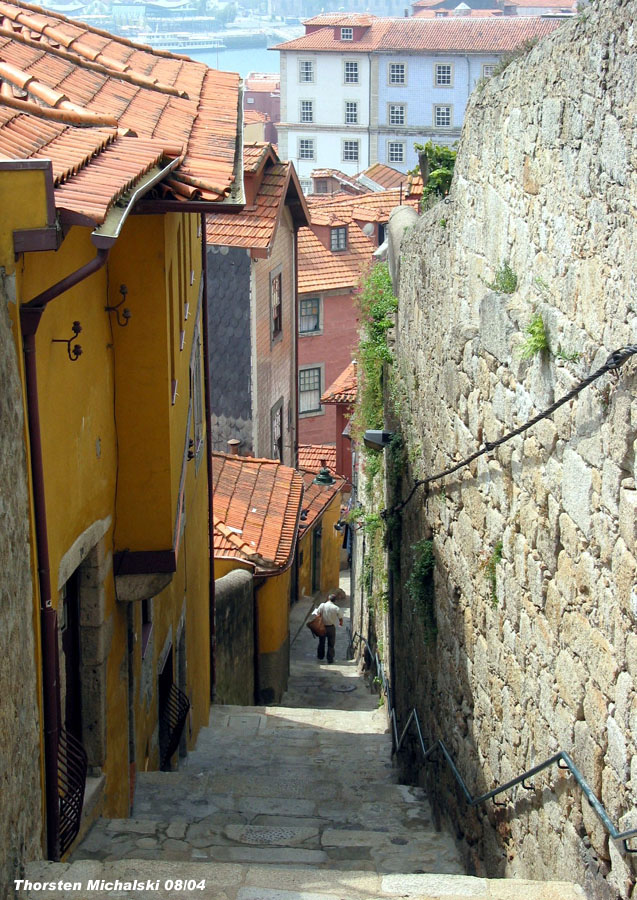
column 331, row 614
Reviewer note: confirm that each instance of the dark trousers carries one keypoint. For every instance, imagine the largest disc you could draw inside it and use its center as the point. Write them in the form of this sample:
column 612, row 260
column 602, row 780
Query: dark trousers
column 330, row 635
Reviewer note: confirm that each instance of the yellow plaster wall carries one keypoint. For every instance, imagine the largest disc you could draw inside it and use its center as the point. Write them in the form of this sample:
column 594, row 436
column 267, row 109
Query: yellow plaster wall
column 23, row 205
column 222, row 566
column 273, row 605
column 330, row 552
column 305, row 566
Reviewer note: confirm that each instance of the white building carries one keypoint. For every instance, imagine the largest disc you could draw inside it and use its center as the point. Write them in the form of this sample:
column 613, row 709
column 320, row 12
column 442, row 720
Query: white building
column 358, row 89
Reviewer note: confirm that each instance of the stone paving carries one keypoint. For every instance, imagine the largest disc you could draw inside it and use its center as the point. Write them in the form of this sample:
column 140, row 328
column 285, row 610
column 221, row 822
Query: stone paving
column 295, row 802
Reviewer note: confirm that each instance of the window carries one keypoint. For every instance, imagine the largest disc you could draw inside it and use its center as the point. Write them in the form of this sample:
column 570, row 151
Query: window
column 347, row 34
column 249, row 99
column 320, row 185
column 397, row 73
column 276, row 323
column 307, row 111
column 306, row 70
column 397, row 113
column 488, row 69
column 350, row 72
column 442, row 116
column 338, row 238
column 443, row 74
column 306, row 148
column 310, row 390
column 350, row 151
column 276, row 430
column 306, row 185
column 395, row 151
column 351, row 112
column 309, row 315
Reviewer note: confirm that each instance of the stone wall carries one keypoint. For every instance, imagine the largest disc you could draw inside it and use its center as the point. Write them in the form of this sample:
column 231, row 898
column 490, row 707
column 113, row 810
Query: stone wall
column 543, row 656
column 234, row 638
column 20, row 797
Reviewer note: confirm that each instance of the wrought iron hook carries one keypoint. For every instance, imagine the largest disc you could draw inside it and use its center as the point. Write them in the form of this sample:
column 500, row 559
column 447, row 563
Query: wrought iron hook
column 126, row 313
column 75, row 351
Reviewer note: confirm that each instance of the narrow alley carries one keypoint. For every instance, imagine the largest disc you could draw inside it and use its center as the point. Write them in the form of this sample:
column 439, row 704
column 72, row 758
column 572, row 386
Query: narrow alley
column 294, row 802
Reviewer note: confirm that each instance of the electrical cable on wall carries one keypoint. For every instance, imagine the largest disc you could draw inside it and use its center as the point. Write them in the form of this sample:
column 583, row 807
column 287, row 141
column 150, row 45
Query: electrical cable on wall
column 616, row 359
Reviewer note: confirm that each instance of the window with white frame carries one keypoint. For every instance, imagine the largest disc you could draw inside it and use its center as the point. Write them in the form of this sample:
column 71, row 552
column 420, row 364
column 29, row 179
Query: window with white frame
column 397, row 114
column 397, row 73
column 351, row 112
column 442, row 116
column 350, row 72
column 338, row 238
column 306, row 185
column 306, row 111
column 488, row 69
column 306, row 148
column 351, row 151
column 310, row 389
column 309, row 315
column 395, row 151
column 443, row 74
column 347, row 34
column 306, row 70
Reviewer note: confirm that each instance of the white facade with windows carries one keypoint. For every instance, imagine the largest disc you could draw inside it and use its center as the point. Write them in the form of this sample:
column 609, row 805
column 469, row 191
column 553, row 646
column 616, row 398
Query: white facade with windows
column 347, row 110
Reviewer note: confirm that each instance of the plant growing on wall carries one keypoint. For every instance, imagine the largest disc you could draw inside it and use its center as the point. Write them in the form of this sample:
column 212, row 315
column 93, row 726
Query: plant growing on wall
column 490, row 570
column 505, row 281
column 436, row 165
column 420, row 587
column 536, row 340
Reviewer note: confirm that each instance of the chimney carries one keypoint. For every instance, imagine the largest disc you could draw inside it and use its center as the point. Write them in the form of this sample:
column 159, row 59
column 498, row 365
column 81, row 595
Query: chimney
column 233, row 446
column 406, row 13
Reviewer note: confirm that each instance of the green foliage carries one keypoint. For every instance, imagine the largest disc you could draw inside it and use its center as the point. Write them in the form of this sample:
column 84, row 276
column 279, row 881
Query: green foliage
column 443, row 223
column 490, row 567
column 572, row 356
column 507, row 58
column 536, row 338
column 371, row 523
column 420, row 587
column 377, row 305
column 505, row 281
column 440, row 162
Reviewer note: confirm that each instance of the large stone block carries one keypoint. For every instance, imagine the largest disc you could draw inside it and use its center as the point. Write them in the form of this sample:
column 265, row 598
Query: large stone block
column 577, row 490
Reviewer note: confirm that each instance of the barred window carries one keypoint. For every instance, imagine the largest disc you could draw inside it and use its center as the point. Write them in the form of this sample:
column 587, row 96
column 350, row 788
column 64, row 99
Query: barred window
column 310, row 390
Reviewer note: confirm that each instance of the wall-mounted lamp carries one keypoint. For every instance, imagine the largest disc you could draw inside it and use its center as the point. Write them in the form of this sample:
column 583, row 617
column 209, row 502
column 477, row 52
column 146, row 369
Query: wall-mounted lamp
column 324, row 477
column 75, row 351
column 126, row 313
column 377, row 440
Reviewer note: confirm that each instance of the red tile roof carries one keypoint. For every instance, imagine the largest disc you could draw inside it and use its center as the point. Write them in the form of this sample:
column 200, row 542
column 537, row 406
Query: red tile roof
column 466, row 35
column 254, row 228
column 352, row 20
column 252, row 116
column 311, row 457
column 263, row 82
column 447, row 13
column 316, row 499
column 340, row 177
column 256, row 505
column 64, row 72
column 344, row 388
column 385, row 176
column 321, row 269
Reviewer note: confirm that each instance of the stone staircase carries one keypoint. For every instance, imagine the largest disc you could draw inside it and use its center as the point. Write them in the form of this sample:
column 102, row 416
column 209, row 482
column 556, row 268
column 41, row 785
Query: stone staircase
column 296, row 802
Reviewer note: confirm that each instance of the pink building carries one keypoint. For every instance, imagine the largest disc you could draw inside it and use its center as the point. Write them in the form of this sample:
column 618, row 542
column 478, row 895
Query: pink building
column 262, row 93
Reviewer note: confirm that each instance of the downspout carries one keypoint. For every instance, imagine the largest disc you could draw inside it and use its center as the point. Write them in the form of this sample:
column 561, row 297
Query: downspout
column 30, row 315
column 295, row 444
column 207, row 386
column 369, row 113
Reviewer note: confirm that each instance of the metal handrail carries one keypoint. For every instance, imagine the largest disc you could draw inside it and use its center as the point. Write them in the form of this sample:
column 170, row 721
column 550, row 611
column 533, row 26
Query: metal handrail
column 561, row 758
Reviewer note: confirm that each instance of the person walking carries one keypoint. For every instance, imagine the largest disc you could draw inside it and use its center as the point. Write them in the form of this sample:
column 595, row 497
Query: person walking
column 331, row 614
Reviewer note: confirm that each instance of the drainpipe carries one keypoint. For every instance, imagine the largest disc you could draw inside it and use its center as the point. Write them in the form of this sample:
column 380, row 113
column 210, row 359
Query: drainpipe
column 295, row 442
column 206, row 371
column 30, row 315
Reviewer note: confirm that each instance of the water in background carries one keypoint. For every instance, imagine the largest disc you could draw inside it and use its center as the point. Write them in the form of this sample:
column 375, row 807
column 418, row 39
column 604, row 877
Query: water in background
column 243, row 61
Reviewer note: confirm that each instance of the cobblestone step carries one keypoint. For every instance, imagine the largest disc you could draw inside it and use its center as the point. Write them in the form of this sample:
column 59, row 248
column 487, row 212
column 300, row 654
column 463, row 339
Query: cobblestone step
column 164, row 880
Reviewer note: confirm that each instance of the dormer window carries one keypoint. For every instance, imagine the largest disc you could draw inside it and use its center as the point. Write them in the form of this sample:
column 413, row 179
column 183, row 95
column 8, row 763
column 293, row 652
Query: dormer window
column 347, row 34
column 338, row 238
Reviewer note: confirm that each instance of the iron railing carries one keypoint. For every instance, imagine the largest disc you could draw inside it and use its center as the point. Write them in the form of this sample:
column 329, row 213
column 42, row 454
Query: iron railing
column 172, row 719
column 72, row 769
column 561, row 758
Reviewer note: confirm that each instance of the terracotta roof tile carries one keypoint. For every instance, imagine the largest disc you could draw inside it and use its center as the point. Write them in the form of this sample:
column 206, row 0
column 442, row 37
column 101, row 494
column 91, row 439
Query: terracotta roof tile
column 311, row 456
column 316, row 499
column 495, row 35
column 253, row 116
column 266, row 82
column 385, row 176
column 257, row 504
column 76, row 75
column 344, row 388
